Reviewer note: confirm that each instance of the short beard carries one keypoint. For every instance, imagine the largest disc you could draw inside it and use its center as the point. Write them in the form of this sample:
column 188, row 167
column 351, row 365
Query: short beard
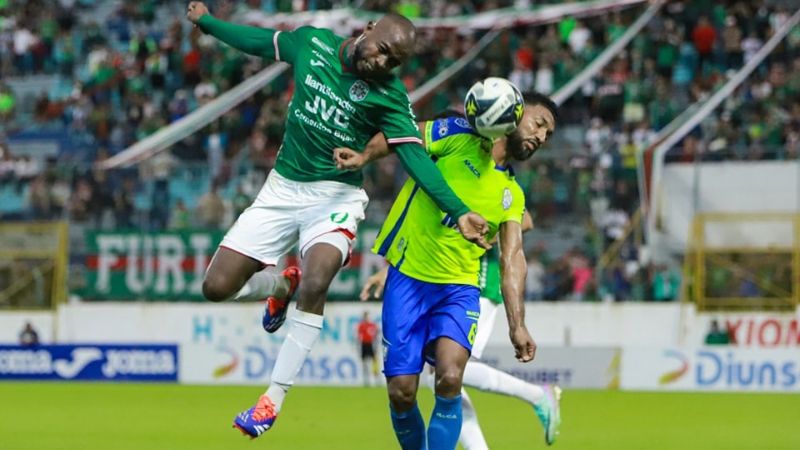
column 515, row 148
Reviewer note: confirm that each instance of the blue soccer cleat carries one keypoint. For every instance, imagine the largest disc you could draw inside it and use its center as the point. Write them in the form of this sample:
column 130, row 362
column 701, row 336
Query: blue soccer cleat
column 549, row 412
column 275, row 309
column 258, row 419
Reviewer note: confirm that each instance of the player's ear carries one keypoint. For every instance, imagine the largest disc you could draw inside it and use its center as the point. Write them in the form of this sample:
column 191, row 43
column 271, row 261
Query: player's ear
column 370, row 26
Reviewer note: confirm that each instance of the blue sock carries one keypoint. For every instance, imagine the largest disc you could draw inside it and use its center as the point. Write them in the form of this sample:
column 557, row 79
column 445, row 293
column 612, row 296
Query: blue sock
column 445, row 425
column 409, row 428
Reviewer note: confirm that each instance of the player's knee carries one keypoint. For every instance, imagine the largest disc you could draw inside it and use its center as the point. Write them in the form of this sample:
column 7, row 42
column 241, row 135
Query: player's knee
column 448, row 381
column 215, row 289
column 402, row 396
column 312, row 294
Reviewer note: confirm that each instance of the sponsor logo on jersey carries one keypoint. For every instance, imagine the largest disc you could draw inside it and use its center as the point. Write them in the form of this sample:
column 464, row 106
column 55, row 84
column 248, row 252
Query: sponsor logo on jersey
column 318, row 62
column 322, row 45
column 443, row 128
column 507, row 198
column 359, row 91
column 339, row 218
column 476, row 173
column 462, row 122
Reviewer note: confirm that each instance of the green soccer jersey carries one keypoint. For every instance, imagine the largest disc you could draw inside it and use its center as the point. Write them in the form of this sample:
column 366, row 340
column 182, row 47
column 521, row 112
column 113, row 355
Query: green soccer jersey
column 421, row 241
column 331, row 106
column 489, row 278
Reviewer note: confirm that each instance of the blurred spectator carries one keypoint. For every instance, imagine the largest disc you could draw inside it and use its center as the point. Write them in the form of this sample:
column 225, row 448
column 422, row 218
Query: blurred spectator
column 367, row 332
column 180, row 219
column 211, row 209
column 716, row 336
column 666, row 283
column 28, row 337
column 534, row 279
column 241, row 201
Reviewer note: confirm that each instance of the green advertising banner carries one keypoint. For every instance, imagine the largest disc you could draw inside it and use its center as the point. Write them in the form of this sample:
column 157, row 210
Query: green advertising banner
column 171, row 265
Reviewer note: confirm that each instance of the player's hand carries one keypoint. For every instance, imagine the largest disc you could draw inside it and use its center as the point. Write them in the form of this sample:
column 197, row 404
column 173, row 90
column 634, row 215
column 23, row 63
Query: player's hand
column 374, row 284
column 195, row 11
column 524, row 346
column 474, row 228
column 348, row 159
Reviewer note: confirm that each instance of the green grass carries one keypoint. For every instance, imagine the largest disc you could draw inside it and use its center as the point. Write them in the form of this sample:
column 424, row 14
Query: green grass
column 170, row 417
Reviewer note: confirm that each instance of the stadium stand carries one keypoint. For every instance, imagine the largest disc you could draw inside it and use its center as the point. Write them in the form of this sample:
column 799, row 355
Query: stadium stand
column 73, row 96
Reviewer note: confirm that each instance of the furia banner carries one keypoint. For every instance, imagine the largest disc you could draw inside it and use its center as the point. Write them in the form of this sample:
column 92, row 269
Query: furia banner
column 170, row 266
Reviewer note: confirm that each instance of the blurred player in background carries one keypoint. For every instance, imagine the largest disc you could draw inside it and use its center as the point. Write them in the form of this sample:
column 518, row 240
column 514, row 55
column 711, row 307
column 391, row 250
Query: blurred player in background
column 344, row 94
column 367, row 332
column 431, row 304
column 537, row 125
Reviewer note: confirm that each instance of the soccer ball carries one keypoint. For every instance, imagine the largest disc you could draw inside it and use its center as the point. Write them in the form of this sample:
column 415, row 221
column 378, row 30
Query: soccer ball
column 494, row 107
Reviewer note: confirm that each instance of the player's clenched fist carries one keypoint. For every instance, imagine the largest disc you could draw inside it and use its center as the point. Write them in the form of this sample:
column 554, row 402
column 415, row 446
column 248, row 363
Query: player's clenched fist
column 524, row 345
column 196, row 10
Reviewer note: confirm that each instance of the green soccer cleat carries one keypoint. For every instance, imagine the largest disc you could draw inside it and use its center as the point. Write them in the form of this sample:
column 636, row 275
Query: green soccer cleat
column 549, row 412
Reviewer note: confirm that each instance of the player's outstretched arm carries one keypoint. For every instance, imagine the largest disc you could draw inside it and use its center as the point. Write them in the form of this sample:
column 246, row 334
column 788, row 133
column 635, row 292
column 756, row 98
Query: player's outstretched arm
column 377, row 148
column 252, row 40
column 513, row 268
column 419, row 166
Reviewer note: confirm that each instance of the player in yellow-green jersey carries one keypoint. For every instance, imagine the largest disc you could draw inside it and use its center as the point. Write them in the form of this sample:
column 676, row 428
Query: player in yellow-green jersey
column 432, row 283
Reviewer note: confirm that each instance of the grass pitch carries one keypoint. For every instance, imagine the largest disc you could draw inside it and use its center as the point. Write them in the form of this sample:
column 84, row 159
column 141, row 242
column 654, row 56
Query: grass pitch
column 39, row 416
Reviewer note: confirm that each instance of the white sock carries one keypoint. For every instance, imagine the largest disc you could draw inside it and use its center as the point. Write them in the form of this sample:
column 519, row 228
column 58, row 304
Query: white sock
column 487, row 378
column 262, row 285
column 471, row 437
column 304, row 329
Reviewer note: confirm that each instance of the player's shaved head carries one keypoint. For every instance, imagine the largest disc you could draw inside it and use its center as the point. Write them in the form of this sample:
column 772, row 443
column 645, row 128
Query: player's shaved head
column 403, row 32
column 384, row 45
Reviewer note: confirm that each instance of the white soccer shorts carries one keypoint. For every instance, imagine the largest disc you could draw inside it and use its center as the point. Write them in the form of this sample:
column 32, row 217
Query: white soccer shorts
column 485, row 326
column 288, row 212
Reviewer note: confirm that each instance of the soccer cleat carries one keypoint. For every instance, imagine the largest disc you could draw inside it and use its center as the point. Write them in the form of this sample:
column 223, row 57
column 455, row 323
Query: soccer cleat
column 258, row 419
column 549, row 412
column 275, row 309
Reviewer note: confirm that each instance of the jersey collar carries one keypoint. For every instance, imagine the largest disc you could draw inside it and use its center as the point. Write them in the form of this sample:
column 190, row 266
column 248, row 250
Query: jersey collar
column 506, row 168
column 347, row 65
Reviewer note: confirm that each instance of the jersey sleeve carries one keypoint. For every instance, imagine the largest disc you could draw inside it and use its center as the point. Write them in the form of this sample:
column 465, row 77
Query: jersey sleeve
column 264, row 42
column 515, row 198
column 397, row 120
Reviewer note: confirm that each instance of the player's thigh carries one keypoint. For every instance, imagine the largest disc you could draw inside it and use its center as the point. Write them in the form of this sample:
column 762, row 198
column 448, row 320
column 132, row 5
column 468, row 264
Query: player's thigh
column 404, row 323
column 485, row 325
column 331, row 216
column 455, row 316
column 227, row 273
column 269, row 228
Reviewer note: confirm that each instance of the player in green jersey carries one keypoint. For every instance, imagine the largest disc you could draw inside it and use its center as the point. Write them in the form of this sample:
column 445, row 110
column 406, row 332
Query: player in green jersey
column 418, row 249
column 344, row 94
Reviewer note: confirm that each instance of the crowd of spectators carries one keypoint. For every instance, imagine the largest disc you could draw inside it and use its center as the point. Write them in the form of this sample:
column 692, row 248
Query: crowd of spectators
column 140, row 69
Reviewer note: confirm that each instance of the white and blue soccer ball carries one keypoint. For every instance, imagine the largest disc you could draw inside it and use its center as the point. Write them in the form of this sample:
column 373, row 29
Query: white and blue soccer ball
column 494, row 107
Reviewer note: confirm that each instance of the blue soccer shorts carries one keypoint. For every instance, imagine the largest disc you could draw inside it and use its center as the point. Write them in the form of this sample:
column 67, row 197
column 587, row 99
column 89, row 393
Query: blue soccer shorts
column 416, row 313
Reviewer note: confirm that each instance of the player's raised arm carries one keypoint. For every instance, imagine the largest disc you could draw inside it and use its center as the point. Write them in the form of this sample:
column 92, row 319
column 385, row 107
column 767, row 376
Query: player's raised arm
column 513, row 268
column 264, row 42
column 377, row 148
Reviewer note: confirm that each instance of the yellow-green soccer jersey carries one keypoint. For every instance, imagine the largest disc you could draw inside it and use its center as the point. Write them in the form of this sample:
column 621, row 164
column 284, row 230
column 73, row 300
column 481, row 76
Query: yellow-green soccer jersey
column 420, row 240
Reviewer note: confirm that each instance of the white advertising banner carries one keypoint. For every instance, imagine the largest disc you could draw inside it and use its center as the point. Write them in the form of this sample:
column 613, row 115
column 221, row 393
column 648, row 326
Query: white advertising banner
column 224, row 343
column 722, row 368
column 749, row 330
column 12, row 323
column 228, row 346
column 569, row 367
